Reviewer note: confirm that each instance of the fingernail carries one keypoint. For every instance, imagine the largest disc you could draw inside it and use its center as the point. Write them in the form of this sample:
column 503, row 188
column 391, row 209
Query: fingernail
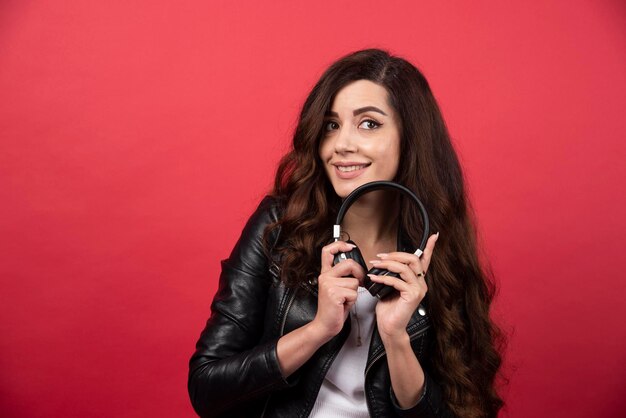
column 437, row 234
column 382, row 255
column 352, row 245
column 375, row 261
column 373, row 276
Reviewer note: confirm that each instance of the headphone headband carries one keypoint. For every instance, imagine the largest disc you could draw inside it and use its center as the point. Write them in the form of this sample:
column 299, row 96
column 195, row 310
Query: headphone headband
column 377, row 185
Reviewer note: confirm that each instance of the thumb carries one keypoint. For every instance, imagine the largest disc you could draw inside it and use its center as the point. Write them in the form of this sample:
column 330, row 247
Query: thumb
column 428, row 251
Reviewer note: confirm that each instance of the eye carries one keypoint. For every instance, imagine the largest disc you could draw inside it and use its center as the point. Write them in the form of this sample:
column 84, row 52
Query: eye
column 331, row 125
column 370, row 124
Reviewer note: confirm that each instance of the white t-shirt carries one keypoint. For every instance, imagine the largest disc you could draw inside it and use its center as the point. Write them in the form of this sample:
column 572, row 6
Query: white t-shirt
column 342, row 394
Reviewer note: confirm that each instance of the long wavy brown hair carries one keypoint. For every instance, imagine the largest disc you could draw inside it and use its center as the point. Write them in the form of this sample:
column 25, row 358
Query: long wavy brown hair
column 465, row 356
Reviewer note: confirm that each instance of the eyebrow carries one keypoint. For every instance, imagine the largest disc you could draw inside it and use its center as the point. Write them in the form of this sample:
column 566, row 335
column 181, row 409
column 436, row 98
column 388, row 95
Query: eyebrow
column 358, row 111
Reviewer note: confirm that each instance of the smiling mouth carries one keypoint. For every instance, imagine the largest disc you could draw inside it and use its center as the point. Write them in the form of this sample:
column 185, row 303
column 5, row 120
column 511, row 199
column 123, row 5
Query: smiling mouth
column 347, row 169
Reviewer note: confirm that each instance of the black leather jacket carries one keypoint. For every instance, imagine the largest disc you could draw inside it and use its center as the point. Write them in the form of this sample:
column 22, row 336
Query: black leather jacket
column 234, row 371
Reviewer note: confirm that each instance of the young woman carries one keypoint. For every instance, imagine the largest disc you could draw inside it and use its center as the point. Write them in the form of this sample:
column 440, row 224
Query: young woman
column 291, row 333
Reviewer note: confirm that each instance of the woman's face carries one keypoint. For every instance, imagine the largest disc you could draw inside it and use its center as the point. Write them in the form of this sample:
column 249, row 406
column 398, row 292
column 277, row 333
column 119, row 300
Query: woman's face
column 361, row 138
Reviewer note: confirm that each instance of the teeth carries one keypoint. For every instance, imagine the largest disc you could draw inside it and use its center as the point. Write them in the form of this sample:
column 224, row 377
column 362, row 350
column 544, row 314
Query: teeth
column 350, row 168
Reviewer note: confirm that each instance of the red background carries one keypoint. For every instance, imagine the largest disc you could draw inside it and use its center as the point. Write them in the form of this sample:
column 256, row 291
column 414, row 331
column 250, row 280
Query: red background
column 137, row 137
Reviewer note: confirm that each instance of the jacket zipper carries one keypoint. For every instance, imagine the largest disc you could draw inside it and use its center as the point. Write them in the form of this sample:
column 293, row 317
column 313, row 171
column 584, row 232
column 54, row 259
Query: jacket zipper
column 382, row 353
column 282, row 330
column 292, row 298
column 284, row 321
column 265, row 407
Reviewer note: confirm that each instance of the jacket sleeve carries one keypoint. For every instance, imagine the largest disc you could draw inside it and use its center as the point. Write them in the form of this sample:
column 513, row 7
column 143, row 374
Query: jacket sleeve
column 229, row 366
column 430, row 405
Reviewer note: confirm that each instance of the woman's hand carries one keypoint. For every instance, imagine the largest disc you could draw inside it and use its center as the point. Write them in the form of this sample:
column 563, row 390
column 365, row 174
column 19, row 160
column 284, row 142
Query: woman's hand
column 336, row 293
column 335, row 296
column 394, row 312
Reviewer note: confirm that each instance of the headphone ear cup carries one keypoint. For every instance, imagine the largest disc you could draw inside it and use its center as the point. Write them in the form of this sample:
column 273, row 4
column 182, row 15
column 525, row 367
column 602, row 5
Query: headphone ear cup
column 378, row 289
column 358, row 257
column 354, row 254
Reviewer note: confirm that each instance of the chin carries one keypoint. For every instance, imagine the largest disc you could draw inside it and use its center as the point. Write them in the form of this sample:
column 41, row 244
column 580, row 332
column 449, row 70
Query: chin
column 344, row 188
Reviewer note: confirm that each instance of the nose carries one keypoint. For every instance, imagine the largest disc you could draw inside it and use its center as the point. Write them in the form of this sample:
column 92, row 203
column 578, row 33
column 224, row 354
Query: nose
column 346, row 141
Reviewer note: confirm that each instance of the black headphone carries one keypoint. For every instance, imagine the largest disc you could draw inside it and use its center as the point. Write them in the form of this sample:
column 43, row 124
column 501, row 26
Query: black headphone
column 376, row 289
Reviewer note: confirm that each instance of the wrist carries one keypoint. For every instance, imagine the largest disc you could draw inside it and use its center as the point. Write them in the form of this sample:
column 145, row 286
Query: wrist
column 395, row 340
column 316, row 333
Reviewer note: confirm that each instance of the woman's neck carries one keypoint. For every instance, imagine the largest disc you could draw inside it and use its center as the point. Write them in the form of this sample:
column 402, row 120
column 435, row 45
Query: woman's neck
column 373, row 219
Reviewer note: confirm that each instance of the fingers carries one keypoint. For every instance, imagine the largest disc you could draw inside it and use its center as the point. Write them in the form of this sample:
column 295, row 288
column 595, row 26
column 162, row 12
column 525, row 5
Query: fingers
column 405, row 271
column 407, row 291
column 428, row 250
column 345, row 282
column 348, row 268
column 329, row 251
column 341, row 295
column 392, row 281
column 335, row 297
column 337, row 285
column 408, row 265
column 417, row 264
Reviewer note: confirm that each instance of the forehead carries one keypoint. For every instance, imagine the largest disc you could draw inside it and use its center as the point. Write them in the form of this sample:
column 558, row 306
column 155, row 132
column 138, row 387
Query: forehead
column 361, row 93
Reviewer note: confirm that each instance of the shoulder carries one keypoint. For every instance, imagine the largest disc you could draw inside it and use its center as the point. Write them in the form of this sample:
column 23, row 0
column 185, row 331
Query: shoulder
column 268, row 211
column 250, row 249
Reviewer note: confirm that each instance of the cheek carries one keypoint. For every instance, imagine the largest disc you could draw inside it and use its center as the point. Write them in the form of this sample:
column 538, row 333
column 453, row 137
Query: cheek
column 387, row 152
column 324, row 150
column 390, row 154
column 325, row 153
column 394, row 151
